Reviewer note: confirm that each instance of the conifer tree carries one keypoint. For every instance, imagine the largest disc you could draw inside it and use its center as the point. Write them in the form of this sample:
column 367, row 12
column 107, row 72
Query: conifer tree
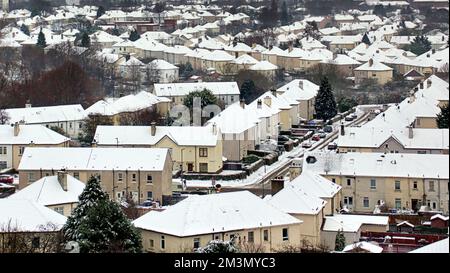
column 420, row 45
column 443, row 117
column 99, row 226
column 134, row 36
column 340, row 241
column 325, row 104
column 85, row 40
column 100, row 11
column 284, row 16
column 366, row 39
column 41, row 40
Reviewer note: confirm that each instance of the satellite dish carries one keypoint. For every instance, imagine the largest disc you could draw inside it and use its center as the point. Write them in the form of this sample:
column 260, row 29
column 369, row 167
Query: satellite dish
column 72, row 247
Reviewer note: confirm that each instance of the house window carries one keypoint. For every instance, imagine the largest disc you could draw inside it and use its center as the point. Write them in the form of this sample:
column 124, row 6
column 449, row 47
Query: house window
column 422, row 152
column 163, row 242
column 79, row 126
column 251, row 237
column 36, row 242
column 349, row 182
column 119, row 177
column 415, row 185
column 149, row 179
column 397, row 185
column 348, row 200
column 266, row 235
column 2, row 165
column 70, row 125
column 133, row 177
column 431, row 186
column 373, row 184
column 374, row 74
column 76, row 175
column 333, row 180
column 59, row 210
column 2, row 150
column 196, row 243
column 285, row 234
column 31, row 177
column 151, row 243
column 398, row 203
column 366, row 202
column 203, row 167
column 149, row 195
column 203, row 152
column 21, row 150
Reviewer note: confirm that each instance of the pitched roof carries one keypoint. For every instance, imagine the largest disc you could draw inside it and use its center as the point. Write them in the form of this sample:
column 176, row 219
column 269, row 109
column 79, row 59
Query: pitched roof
column 148, row 159
column 26, row 215
column 141, row 135
column 352, row 222
column 369, row 247
column 48, row 191
column 207, row 214
column 375, row 66
column 183, row 89
column 46, row 114
column 37, row 134
column 436, row 247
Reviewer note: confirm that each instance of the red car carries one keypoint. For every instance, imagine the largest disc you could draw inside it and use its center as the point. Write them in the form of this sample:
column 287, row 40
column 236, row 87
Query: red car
column 316, row 137
column 8, row 179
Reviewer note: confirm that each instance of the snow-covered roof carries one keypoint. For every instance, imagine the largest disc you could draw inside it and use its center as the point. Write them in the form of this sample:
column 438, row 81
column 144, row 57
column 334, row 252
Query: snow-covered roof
column 439, row 216
column 26, row 215
column 436, row 247
column 48, row 191
column 214, row 213
column 218, row 56
column 352, row 222
column 46, row 114
column 263, row 66
column 141, row 135
column 234, row 120
column 375, row 137
column 369, row 247
column 183, row 89
column 316, row 184
column 342, row 59
column 405, row 223
column 299, row 90
column 245, row 60
column 379, row 164
column 163, row 65
column 374, row 66
column 294, row 199
column 120, row 159
column 37, row 134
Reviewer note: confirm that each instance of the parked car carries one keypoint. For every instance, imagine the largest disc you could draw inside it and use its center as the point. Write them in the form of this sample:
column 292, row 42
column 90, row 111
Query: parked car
column 354, row 116
column 323, row 135
column 332, row 146
column 7, row 179
column 349, row 118
column 283, row 139
column 307, row 144
column 316, row 137
column 328, row 129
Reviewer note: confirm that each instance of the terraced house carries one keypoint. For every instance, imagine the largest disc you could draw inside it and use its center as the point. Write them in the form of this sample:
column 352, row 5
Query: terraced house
column 137, row 173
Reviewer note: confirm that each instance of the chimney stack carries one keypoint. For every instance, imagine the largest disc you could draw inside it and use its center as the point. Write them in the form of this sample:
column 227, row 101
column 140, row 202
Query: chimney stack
column 242, row 103
column 370, row 62
column 342, row 129
column 16, row 129
column 153, row 128
column 214, row 129
column 410, row 132
column 259, row 103
column 268, row 101
column 421, row 85
column 62, row 179
column 429, row 82
column 300, row 84
column 274, row 92
column 433, row 51
column 277, row 185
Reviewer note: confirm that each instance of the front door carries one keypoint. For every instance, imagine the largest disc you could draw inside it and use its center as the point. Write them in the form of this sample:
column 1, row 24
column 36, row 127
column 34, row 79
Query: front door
column 415, row 205
column 190, row 167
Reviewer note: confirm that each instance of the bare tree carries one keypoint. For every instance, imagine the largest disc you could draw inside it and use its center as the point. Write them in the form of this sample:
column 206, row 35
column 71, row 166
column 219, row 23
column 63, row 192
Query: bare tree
column 251, row 248
column 4, row 117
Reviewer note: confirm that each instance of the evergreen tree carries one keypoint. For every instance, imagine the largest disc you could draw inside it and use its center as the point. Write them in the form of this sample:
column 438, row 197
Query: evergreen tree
column 206, row 96
column 25, row 29
column 115, row 32
column 366, row 39
column 284, row 16
column 247, row 89
column 85, row 40
column 98, row 225
column 106, row 229
column 346, row 104
column 340, row 241
column 325, row 105
column 41, row 40
column 379, row 10
column 134, row 36
column 188, row 70
column 100, row 11
column 443, row 117
column 420, row 45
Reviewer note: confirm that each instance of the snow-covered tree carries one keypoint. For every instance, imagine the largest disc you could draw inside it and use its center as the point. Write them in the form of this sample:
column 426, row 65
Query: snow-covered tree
column 340, row 241
column 98, row 225
column 325, row 105
column 442, row 118
column 218, row 246
column 134, row 36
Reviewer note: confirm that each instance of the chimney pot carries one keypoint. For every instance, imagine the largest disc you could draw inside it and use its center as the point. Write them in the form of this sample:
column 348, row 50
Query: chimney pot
column 410, row 132
column 421, row 85
column 16, row 129
column 370, row 62
column 300, row 84
column 342, row 130
column 429, row 82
